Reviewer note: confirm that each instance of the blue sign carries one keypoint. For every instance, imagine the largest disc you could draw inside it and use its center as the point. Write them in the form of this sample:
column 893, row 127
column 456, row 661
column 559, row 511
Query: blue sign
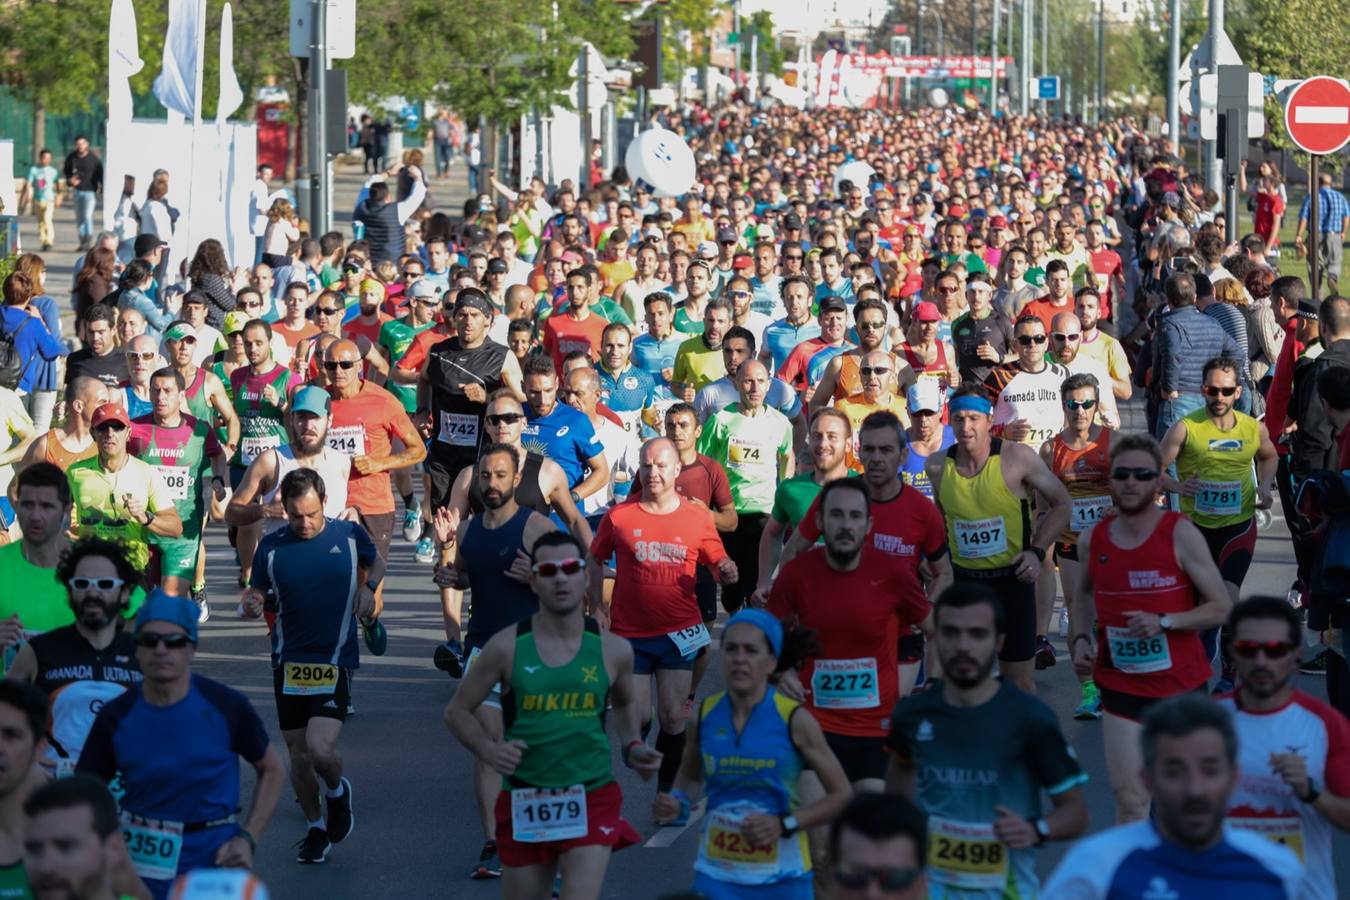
column 1047, row 87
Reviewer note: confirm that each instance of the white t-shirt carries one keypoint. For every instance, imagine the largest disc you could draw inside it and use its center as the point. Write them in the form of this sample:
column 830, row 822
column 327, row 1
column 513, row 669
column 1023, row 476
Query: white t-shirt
column 1035, row 398
column 621, row 451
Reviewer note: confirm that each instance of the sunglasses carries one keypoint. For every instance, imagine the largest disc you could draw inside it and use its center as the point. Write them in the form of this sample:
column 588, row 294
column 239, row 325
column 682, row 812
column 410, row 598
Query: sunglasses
column 872, row 326
column 145, row 356
column 1212, row 391
column 80, row 583
column 1062, row 337
column 1272, row 649
column 1026, row 340
column 504, row 418
column 327, row 310
column 865, row 371
column 887, row 878
column 951, row 290
column 1080, row 404
column 737, row 295
column 333, row 365
column 566, row 566
column 412, row 274
column 794, row 257
column 114, row 426
column 424, row 302
column 1124, row 473
column 152, row 639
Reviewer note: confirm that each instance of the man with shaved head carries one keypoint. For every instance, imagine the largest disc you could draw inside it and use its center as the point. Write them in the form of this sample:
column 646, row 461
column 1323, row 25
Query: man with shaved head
column 581, row 390
column 753, row 442
column 876, row 373
column 658, row 543
column 366, row 420
column 1066, row 340
column 142, row 360
column 71, row 441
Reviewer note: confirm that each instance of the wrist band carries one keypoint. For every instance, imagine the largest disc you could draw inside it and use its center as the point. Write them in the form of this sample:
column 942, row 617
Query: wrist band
column 628, row 749
column 1081, row 636
column 252, row 843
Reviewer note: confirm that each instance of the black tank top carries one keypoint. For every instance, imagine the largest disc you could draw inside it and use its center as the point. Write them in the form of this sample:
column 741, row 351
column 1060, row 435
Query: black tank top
column 528, row 495
column 64, row 656
column 457, row 421
column 498, row 601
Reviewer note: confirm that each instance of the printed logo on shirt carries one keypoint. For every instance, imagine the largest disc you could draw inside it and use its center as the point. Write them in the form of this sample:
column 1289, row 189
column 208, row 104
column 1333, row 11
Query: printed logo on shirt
column 1151, row 580
column 893, row 545
column 563, row 430
column 1225, row 445
column 925, row 731
column 660, row 552
column 1159, row 889
column 332, row 550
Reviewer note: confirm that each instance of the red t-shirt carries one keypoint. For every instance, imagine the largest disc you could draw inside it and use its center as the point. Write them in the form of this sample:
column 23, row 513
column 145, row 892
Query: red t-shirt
column 363, row 426
column 908, row 527
column 1282, row 386
column 703, row 479
column 369, row 331
column 564, row 334
column 1106, row 265
column 658, row 558
column 793, row 370
column 857, row 617
column 1046, row 311
column 416, row 353
column 293, row 338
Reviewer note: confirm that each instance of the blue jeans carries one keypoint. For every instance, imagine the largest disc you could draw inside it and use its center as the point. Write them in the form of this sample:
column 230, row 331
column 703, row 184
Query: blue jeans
column 85, row 201
column 473, row 179
column 445, row 154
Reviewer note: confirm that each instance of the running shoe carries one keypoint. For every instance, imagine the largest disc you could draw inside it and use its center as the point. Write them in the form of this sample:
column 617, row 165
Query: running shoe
column 1090, row 707
column 1045, row 652
column 1315, row 666
column 412, row 523
column 425, row 551
column 313, row 848
column 203, row 608
column 488, row 865
column 557, row 887
column 449, row 657
column 377, row 639
column 341, row 820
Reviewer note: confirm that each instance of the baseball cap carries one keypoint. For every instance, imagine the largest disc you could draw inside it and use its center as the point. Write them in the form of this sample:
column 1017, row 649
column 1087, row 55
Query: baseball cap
column 925, row 394
column 424, row 289
column 998, row 222
column 764, row 232
column 147, row 243
column 195, row 297
column 726, row 236
column 742, row 261
column 234, row 321
column 927, row 311
column 497, row 266
column 1307, row 309
column 353, row 264
column 913, row 229
column 161, row 606
column 179, row 331
column 312, row 399
column 832, row 303
column 110, row 412
column 706, row 250
column 792, row 220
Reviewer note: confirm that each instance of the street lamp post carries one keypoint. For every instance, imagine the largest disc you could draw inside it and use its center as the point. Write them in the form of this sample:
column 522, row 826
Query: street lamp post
column 993, row 65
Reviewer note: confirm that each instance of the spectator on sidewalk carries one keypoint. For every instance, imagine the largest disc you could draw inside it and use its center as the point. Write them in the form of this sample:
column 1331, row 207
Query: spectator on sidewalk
column 84, row 174
column 40, row 187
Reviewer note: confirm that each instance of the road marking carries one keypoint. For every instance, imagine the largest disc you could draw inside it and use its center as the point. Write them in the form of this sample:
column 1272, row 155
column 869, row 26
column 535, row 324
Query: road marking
column 671, row 833
column 1322, row 115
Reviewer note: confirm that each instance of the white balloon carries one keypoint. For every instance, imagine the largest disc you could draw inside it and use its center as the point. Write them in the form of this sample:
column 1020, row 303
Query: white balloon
column 857, row 171
column 662, row 161
column 938, row 97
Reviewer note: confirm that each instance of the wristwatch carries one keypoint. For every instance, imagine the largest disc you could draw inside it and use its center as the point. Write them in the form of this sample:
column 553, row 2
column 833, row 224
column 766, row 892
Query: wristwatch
column 1165, row 622
column 149, row 517
column 1313, row 793
column 373, row 585
column 1042, row 830
column 576, row 498
column 1040, row 554
column 789, row 823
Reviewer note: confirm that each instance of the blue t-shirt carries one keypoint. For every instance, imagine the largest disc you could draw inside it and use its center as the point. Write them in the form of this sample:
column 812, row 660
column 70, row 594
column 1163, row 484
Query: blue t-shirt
column 651, row 356
column 314, row 584
column 565, row 436
column 781, row 337
column 628, row 393
column 179, row 763
column 912, row 469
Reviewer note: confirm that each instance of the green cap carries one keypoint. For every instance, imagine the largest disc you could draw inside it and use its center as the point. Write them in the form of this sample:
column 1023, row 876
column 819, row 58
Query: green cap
column 179, row 331
column 235, row 321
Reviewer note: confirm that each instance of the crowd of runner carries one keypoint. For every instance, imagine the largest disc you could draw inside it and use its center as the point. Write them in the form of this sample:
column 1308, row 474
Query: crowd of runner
column 863, row 445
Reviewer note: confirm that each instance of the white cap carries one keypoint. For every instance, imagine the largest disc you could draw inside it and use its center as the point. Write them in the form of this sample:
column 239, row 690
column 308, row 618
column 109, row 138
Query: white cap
column 925, row 394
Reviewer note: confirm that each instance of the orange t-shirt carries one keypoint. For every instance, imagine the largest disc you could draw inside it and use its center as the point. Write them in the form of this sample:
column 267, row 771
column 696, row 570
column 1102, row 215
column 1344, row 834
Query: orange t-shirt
column 1046, row 311
column 364, row 426
column 293, row 338
column 369, row 331
column 563, row 334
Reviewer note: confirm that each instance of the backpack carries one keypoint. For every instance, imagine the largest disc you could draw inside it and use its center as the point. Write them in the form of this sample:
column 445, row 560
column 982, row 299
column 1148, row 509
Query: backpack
column 12, row 364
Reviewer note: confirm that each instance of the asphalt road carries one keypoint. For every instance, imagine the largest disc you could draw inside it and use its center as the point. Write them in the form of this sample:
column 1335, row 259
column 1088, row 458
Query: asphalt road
column 417, row 833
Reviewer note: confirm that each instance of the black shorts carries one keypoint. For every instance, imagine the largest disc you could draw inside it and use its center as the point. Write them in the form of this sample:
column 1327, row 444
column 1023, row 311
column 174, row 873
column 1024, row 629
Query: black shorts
column 1133, row 706
column 294, row 711
column 705, row 591
column 1232, row 547
column 1019, row 609
column 1066, row 550
column 909, row 649
column 381, row 530
column 444, row 466
column 860, row 757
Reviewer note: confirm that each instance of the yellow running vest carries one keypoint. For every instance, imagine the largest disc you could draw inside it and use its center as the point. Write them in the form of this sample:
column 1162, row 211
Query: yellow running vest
column 987, row 527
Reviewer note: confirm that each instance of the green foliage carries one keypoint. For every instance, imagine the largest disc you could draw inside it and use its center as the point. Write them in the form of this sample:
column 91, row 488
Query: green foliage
column 681, row 18
column 770, row 55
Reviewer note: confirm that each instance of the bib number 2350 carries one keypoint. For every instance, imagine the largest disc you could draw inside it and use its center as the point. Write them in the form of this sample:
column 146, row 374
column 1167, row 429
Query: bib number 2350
column 154, row 846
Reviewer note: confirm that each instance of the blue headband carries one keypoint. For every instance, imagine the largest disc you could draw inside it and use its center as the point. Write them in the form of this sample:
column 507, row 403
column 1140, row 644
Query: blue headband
column 971, row 403
column 773, row 630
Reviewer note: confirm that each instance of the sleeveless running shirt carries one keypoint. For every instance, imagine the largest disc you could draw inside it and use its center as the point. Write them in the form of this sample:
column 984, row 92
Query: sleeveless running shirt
column 1147, row 578
column 180, row 456
column 912, row 469
column 748, row 772
column 1086, row 474
column 457, row 420
column 332, row 466
column 559, row 713
column 199, row 405
column 987, row 527
column 497, row 601
column 57, row 454
column 528, row 494
column 1222, row 460
column 262, row 425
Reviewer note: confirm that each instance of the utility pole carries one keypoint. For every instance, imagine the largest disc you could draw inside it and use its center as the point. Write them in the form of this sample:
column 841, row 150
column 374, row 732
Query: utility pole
column 584, row 114
column 1027, row 67
column 1173, row 64
column 993, row 64
column 1213, row 173
column 1045, row 49
column 318, row 151
column 1101, row 60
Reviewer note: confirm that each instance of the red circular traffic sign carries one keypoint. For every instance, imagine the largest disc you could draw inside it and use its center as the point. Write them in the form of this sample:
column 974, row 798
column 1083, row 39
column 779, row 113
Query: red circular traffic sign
column 1317, row 115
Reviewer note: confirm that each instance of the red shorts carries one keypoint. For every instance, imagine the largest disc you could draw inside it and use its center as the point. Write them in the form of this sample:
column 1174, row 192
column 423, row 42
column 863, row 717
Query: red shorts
column 604, row 817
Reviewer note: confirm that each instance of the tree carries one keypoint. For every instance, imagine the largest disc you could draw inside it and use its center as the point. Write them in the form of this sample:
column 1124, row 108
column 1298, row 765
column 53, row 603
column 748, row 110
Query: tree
column 683, row 25
column 770, row 54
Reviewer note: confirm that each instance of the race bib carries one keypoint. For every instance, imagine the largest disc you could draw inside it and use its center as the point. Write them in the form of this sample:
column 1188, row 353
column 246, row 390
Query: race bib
column 966, row 854
column 725, row 845
column 742, row 452
column 1286, row 830
column 1219, row 498
column 1138, row 656
column 458, row 429
column 1088, row 511
column 689, row 640
column 154, row 846
column 543, row 814
column 178, row 479
column 349, row 440
column 252, row 447
column 845, row 684
column 980, row 538
column 308, row 679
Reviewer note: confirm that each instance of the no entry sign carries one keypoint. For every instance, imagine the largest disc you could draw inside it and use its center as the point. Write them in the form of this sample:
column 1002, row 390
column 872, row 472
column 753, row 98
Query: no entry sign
column 1317, row 115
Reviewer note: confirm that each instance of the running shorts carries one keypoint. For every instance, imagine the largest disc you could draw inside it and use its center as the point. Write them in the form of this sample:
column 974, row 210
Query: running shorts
column 659, row 652
column 178, row 556
column 604, row 819
column 295, row 711
column 1133, row 706
column 1019, row 609
column 861, row 757
column 1232, row 547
